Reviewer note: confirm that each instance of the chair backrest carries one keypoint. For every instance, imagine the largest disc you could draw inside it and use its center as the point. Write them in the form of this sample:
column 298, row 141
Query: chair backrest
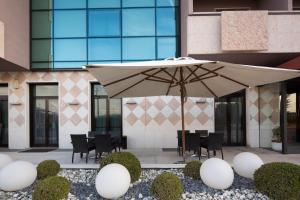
column 79, row 143
column 94, row 133
column 103, row 143
column 215, row 140
column 202, row 133
column 179, row 136
column 192, row 141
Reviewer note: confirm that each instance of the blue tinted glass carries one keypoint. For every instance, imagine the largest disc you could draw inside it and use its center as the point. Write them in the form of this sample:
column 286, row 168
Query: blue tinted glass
column 65, row 65
column 70, row 23
column 104, row 3
column 58, row 4
column 138, row 48
column 166, row 21
column 70, row 49
column 138, row 3
column 167, row 2
column 166, row 47
column 105, row 49
column 104, row 23
column 139, row 22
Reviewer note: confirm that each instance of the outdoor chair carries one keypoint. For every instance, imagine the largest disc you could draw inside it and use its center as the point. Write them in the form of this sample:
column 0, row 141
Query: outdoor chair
column 202, row 133
column 179, row 141
column 81, row 145
column 104, row 144
column 212, row 143
column 116, row 135
column 193, row 143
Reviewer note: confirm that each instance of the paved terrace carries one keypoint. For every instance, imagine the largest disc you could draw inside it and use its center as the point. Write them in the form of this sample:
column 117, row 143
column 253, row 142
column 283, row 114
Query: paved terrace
column 150, row 158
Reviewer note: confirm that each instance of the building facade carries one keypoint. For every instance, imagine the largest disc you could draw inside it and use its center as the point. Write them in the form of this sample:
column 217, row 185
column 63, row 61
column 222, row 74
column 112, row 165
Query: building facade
column 45, row 95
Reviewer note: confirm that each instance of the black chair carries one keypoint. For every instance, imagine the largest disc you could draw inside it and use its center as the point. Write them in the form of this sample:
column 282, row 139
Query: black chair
column 117, row 138
column 103, row 145
column 212, row 143
column 179, row 141
column 81, row 145
column 202, row 133
column 193, row 143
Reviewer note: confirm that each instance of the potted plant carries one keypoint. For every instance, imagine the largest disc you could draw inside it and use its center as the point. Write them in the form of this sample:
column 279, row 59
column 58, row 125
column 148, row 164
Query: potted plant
column 276, row 141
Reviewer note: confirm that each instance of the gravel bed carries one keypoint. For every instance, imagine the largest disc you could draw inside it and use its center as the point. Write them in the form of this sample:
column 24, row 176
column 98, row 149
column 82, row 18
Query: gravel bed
column 83, row 187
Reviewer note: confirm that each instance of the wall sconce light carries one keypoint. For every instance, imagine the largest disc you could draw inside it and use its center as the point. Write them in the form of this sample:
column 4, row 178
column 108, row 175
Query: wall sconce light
column 201, row 101
column 130, row 102
column 73, row 103
column 15, row 84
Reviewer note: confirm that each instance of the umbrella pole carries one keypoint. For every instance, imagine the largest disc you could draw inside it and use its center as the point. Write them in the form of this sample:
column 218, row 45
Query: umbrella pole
column 182, row 124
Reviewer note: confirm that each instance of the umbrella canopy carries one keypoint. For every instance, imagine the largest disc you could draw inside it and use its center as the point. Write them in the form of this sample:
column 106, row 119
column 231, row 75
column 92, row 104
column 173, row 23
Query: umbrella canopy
column 183, row 77
column 199, row 78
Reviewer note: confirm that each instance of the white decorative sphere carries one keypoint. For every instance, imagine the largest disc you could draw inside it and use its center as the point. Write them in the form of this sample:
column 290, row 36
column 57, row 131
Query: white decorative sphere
column 17, row 175
column 245, row 164
column 216, row 173
column 4, row 160
column 112, row 181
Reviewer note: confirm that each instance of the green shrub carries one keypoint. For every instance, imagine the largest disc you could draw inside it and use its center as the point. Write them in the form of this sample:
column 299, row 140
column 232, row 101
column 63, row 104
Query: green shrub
column 47, row 168
column 52, row 188
column 126, row 159
column 192, row 169
column 167, row 186
column 278, row 180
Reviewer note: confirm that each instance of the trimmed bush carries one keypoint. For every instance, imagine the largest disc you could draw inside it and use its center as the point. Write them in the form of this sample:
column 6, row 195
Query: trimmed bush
column 192, row 169
column 52, row 188
column 167, row 186
column 47, row 168
column 126, row 159
column 278, row 180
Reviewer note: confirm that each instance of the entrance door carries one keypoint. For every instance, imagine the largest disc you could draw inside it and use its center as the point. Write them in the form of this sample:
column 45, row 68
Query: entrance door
column 44, row 116
column 3, row 116
column 230, row 118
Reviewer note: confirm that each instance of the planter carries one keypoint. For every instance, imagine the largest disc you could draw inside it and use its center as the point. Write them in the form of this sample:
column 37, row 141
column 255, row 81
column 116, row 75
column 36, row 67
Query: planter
column 277, row 146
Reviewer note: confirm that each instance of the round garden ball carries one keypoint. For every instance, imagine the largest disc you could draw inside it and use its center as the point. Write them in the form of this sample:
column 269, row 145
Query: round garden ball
column 246, row 163
column 216, row 173
column 112, row 181
column 4, row 160
column 17, row 175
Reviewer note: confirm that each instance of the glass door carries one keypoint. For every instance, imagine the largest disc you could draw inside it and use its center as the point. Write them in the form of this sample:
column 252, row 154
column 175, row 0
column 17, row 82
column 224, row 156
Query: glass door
column 3, row 116
column 230, row 118
column 44, row 116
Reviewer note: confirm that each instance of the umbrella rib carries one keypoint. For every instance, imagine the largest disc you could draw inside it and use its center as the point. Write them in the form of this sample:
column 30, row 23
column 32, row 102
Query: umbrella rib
column 172, row 81
column 192, row 72
column 172, row 77
column 199, row 77
column 223, row 76
column 157, row 77
column 210, row 90
column 162, row 81
column 127, row 77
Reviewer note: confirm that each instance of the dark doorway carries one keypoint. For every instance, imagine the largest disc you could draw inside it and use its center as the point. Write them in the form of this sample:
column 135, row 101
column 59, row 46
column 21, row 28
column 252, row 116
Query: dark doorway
column 106, row 113
column 3, row 116
column 44, row 115
column 230, row 112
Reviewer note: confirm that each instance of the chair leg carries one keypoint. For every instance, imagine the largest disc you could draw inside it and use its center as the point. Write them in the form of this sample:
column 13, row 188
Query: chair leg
column 222, row 154
column 215, row 153
column 199, row 155
column 200, row 152
column 208, row 156
column 87, row 156
column 73, row 157
column 81, row 155
column 96, row 153
column 119, row 149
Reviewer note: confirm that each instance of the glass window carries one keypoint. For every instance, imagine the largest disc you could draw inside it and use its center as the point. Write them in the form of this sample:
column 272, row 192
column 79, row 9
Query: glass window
column 46, row 90
column 69, row 4
column 41, row 26
column 70, row 23
column 41, row 65
column 138, row 48
column 3, row 90
column 139, row 22
column 104, row 3
column 166, row 47
column 68, row 65
column 138, row 3
column 41, row 4
column 104, row 23
column 166, row 21
column 98, row 90
column 167, row 2
column 105, row 49
column 41, row 50
column 70, row 50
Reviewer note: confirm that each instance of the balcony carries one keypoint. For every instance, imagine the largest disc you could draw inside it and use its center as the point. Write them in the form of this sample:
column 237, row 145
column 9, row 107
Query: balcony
column 268, row 32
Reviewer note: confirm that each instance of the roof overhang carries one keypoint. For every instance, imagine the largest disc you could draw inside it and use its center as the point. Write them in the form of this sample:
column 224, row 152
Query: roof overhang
column 7, row 66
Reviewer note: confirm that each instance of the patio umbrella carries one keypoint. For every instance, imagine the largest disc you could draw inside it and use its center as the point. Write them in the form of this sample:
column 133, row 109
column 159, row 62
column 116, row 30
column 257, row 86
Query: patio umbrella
column 183, row 77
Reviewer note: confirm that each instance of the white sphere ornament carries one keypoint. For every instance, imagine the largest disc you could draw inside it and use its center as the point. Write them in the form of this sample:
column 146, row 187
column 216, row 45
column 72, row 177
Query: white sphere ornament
column 216, row 173
column 17, row 175
column 4, row 160
column 246, row 163
column 112, row 181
